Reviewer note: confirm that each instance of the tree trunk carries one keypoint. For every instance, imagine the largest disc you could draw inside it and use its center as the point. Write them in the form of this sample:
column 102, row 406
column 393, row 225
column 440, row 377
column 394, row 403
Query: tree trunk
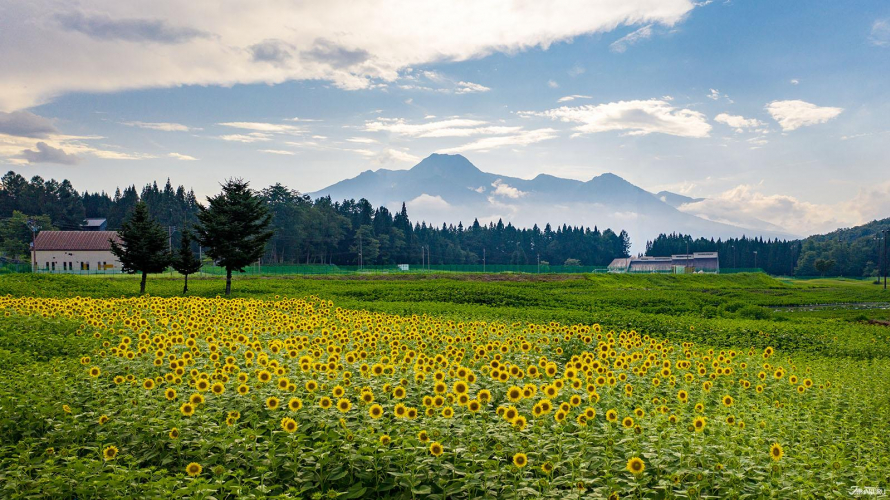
column 185, row 287
column 228, row 282
column 142, row 284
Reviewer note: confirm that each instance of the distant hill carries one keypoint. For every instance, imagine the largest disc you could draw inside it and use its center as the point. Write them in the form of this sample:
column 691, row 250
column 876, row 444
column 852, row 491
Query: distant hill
column 850, row 234
column 449, row 188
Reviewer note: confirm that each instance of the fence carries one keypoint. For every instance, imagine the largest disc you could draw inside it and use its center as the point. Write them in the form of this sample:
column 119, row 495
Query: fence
column 312, row 270
column 306, row 270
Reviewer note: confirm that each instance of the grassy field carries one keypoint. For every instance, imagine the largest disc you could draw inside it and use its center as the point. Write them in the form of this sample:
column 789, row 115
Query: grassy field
column 644, row 386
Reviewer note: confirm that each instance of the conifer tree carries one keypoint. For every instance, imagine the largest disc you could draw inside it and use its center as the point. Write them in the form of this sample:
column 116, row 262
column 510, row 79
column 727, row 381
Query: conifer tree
column 234, row 228
column 185, row 261
column 143, row 247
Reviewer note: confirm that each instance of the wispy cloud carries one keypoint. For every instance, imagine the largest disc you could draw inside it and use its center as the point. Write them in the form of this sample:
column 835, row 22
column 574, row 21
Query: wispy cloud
column 522, row 138
column 178, row 156
column 880, row 33
column 573, row 97
column 273, row 128
column 621, row 45
column 633, row 118
column 165, row 127
column 277, row 152
column 453, row 127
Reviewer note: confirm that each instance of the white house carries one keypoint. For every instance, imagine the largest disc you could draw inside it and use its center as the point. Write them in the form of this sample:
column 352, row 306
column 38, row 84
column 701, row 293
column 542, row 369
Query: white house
column 74, row 252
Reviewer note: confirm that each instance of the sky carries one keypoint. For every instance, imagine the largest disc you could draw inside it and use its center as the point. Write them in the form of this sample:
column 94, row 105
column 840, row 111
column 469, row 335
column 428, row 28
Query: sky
column 775, row 111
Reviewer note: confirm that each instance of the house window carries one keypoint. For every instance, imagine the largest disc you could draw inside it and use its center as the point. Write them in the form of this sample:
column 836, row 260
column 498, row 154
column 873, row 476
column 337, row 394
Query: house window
column 71, row 266
column 47, row 266
column 54, row 266
column 64, row 266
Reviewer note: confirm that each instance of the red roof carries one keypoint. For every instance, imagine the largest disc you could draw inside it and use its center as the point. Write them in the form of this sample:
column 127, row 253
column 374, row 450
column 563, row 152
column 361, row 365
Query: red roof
column 75, row 240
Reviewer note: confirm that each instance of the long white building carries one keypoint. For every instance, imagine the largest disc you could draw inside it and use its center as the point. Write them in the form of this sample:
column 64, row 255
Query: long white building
column 76, row 252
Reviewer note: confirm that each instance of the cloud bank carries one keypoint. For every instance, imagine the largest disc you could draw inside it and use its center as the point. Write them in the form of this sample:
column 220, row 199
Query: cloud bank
column 52, row 47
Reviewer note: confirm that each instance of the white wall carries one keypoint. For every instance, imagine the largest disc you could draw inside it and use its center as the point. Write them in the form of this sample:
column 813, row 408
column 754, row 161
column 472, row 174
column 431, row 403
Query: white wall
column 40, row 258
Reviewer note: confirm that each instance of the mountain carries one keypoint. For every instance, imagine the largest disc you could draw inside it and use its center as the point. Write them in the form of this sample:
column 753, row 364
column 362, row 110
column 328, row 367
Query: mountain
column 674, row 199
column 449, row 188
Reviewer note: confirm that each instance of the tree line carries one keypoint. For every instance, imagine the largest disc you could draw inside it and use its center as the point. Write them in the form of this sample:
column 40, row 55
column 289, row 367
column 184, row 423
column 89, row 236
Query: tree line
column 320, row 231
column 845, row 252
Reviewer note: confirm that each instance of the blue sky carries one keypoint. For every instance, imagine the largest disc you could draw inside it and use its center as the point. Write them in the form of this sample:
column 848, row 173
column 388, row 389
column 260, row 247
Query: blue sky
column 774, row 111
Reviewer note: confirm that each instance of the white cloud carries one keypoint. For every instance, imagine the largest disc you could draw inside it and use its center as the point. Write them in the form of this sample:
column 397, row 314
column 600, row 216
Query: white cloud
column 739, row 123
column 245, row 138
column 453, row 127
column 552, row 84
column 624, row 42
column 118, row 155
column 573, row 97
column 55, row 148
column 880, row 33
column 273, row 128
column 470, row 88
column 425, row 201
column 362, row 140
column 391, row 155
column 794, row 81
column 748, row 206
column 164, row 127
column 715, row 95
column 177, row 156
column 794, row 114
column 277, row 152
column 522, row 138
column 503, row 189
column 355, row 45
column 633, row 117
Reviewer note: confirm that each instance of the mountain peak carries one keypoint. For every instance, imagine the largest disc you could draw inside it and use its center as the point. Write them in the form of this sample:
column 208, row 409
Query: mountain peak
column 445, row 164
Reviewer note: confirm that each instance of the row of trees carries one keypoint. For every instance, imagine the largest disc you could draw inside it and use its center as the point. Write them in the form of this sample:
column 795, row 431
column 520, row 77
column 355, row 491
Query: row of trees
column 310, row 231
column 845, row 252
column 354, row 232
column 234, row 229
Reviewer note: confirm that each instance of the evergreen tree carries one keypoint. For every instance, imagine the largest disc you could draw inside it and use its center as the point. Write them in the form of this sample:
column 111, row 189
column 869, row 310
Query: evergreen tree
column 185, row 261
column 234, row 228
column 144, row 245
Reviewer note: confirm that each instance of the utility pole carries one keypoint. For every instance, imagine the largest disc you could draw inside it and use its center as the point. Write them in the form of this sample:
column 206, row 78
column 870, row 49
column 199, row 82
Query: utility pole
column 884, row 256
column 32, row 225
column 539, row 263
column 755, row 259
column 422, row 257
column 428, row 258
column 733, row 256
column 360, row 253
column 483, row 260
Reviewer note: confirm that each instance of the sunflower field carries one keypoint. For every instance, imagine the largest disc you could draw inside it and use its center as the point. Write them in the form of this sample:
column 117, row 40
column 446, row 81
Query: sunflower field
column 204, row 397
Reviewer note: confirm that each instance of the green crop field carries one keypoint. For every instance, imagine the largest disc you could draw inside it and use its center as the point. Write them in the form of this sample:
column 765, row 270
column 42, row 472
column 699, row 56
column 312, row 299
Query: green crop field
column 457, row 386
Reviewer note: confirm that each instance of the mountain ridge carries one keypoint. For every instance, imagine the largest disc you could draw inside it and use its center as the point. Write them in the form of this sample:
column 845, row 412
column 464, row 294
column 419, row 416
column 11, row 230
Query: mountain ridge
column 450, row 188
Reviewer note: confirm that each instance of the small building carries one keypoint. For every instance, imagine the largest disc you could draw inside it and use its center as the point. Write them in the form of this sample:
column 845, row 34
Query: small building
column 94, row 225
column 698, row 262
column 76, row 252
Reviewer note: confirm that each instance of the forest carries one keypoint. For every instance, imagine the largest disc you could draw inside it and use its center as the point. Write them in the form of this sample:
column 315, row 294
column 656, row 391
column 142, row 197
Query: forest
column 845, row 252
column 307, row 231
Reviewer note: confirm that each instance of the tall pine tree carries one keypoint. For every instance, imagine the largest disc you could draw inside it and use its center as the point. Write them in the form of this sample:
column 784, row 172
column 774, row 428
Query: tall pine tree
column 234, row 228
column 144, row 245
